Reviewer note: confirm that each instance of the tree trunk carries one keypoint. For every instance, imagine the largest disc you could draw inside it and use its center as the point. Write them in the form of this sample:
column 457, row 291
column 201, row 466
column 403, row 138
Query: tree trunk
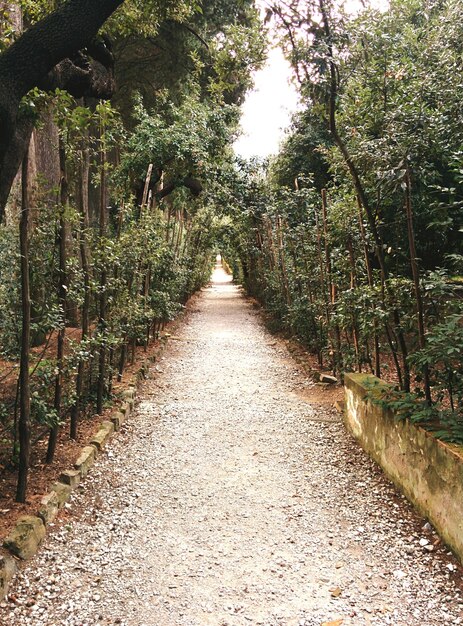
column 122, row 359
column 282, row 262
column 322, row 284
column 353, row 284
column 102, row 323
column 62, row 290
column 337, row 357
column 416, row 281
column 84, row 255
column 24, row 398
column 377, row 356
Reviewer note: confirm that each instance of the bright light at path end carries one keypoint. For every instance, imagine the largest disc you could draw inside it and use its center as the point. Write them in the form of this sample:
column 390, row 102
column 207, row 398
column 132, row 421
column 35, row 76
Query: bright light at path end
column 267, row 110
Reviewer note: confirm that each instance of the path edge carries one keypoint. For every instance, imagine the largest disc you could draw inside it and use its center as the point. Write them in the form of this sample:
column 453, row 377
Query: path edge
column 25, row 538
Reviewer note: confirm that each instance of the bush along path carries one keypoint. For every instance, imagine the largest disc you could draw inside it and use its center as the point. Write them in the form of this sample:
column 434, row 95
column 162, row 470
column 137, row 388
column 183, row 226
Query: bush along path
column 231, row 498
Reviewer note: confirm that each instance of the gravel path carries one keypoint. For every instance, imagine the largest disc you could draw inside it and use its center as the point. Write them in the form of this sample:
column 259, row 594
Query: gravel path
column 229, row 499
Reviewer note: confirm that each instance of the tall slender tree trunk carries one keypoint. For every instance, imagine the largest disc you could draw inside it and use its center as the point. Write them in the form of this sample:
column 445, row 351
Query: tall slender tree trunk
column 271, row 246
column 102, row 323
column 24, row 385
column 337, row 358
column 353, row 284
column 62, row 290
column 377, row 355
column 282, row 262
column 84, row 256
column 416, row 281
column 167, row 219
column 325, row 297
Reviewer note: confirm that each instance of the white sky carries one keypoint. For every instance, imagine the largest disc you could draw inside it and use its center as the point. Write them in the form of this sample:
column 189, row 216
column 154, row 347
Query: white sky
column 266, row 113
column 267, row 109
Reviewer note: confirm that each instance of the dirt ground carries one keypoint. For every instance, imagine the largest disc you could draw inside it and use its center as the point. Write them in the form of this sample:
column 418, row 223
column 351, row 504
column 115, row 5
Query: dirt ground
column 235, row 496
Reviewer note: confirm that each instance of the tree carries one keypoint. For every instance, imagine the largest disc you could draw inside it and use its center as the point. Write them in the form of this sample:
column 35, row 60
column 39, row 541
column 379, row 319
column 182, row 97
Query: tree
column 48, row 56
column 338, row 267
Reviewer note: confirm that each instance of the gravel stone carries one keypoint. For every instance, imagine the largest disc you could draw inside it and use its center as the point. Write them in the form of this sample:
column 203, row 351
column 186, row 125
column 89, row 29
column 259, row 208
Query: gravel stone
column 230, row 499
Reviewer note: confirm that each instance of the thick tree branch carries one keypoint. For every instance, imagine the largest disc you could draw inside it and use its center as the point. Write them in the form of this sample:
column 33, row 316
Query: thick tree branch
column 30, row 60
column 86, row 74
column 61, row 34
column 193, row 184
column 197, row 35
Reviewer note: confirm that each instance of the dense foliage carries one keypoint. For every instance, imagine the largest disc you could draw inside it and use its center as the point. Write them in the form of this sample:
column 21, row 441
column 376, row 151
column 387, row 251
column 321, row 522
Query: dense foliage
column 351, row 236
column 98, row 265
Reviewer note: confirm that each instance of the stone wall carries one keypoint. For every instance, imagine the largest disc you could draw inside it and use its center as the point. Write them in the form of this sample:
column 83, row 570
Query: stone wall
column 428, row 471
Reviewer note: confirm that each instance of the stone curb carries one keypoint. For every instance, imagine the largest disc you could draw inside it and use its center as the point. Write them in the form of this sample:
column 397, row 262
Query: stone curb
column 117, row 419
column 71, row 478
column 102, row 436
column 85, row 460
column 49, row 507
column 25, row 538
column 63, row 493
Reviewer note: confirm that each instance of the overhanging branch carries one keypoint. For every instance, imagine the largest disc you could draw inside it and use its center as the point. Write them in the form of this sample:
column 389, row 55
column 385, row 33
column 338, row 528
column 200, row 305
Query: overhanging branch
column 31, row 60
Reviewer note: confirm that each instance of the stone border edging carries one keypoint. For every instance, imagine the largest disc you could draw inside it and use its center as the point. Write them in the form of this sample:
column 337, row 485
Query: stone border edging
column 26, row 536
column 428, row 471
